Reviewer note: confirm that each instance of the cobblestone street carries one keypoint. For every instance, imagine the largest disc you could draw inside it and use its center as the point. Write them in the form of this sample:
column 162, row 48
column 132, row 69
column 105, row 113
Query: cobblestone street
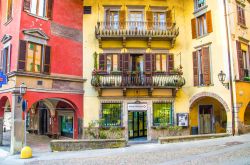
column 229, row 150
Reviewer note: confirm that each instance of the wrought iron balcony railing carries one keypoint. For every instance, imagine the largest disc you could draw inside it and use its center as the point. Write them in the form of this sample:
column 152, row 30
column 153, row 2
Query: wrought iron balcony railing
column 137, row 79
column 136, row 29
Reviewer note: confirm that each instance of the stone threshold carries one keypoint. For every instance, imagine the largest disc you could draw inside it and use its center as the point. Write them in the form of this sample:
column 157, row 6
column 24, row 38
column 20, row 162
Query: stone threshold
column 173, row 139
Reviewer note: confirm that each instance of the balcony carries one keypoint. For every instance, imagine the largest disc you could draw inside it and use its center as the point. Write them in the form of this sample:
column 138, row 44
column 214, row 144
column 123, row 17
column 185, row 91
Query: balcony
column 137, row 80
column 147, row 31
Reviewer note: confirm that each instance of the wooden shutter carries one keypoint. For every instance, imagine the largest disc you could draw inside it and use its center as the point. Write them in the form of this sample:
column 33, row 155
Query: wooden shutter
column 153, row 62
column 22, row 55
column 149, row 20
column 249, row 57
column 169, row 18
column 120, row 62
column 9, row 58
column 47, row 58
column 240, row 60
column 50, row 9
column 126, row 62
column 205, row 58
column 148, row 62
column 26, row 5
column 170, row 63
column 238, row 14
column 102, row 62
column 243, row 20
column 193, row 23
column 209, row 22
column 5, row 61
column 122, row 16
column 195, row 68
column 107, row 19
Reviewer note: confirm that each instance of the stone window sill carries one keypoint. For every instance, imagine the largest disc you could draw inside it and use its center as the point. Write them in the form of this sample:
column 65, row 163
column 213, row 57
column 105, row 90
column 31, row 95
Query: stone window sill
column 36, row 16
column 8, row 21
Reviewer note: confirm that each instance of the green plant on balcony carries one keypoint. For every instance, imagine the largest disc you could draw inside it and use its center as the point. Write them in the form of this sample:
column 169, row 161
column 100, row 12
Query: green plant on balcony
column 95, row 55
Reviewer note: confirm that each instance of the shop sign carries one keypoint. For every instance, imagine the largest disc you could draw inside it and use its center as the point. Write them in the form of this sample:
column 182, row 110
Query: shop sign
column 3, row 79
column 182, row 119
column 137, row 107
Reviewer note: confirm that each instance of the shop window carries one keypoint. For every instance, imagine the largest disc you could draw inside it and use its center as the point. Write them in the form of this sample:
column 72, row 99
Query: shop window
column 34, row 57
column 162, row 114
column 41, row 8
column 67, row 126
column 9, row 9
column 5, row 59
column 111, row 114
column 199, row 4
column 241, row 15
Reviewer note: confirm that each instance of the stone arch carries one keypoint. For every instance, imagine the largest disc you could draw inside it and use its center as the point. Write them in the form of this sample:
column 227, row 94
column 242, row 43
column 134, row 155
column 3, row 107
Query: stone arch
column 195, row 97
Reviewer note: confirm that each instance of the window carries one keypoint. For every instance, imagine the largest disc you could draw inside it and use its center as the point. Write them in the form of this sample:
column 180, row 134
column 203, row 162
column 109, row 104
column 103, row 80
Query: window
column 241, row 15
column 159, row 20
column 108, row 62
column 9, row 9
column 202, row 25
column 162, row 114
column 5, row 59
column 201, row 67
column 161, row 62
column 87, row 9
column 41, row 8
column 112, row 19
column 111, row 114
column 34, row 57
column 243, row 53
column 198, row 4
column 136, row 20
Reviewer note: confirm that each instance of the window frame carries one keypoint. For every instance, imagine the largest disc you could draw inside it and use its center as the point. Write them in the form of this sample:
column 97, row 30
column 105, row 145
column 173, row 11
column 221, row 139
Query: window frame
column 42, row 57
column 196, row 5
column 9, row 10
column 112, row 63
column 241, row 15
column 201, row 20
column 45, row 8
column 109, row 123
column 8, row 58
column 171, row 114
column 159, row 25
column 132, row 25
column 115, row 25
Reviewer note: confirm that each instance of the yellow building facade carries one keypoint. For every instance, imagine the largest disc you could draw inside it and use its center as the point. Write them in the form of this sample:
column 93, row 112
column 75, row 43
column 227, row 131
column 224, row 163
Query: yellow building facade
column 151, row 64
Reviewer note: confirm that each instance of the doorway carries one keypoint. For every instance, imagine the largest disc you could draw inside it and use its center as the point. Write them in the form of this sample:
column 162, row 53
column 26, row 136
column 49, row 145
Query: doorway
column 205, row 119
column 66, row 125
column 137, row 124
column 43, row 121
column 137, row 63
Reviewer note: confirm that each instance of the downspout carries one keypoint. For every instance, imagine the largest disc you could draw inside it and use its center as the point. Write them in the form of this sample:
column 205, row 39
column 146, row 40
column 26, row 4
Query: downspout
column 230, row 71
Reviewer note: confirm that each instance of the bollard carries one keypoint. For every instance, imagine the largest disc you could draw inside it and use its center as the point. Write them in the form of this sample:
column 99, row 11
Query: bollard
column 26, row 153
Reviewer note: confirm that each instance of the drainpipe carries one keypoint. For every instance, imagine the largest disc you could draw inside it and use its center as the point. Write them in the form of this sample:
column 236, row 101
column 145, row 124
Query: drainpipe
column 230, row 70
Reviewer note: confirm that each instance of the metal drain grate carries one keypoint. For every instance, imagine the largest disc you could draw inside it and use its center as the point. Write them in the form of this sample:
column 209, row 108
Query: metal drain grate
column 233, row 143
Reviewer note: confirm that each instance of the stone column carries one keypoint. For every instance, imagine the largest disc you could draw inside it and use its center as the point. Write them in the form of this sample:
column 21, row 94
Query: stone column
column 17, row 124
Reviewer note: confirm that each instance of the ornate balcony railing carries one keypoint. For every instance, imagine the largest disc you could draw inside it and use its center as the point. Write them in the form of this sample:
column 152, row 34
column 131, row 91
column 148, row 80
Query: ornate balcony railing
column 133, row 79
column 139, row 29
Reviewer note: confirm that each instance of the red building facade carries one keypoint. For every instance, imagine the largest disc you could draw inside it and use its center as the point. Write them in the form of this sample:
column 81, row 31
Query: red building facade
column 41, row 46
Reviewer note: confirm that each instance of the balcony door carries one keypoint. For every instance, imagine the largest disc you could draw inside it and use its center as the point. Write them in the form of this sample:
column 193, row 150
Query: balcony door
column 112, row 19
column 159, row 20
column 137, row 63
column 136, row 20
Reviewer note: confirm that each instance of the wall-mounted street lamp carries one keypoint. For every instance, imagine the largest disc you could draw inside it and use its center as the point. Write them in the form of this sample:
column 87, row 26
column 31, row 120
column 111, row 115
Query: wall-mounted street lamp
column 222, row 78
column 23, row 89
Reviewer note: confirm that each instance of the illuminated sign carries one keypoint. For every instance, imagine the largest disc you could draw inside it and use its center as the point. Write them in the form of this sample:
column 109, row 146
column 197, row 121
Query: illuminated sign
column 3, row 79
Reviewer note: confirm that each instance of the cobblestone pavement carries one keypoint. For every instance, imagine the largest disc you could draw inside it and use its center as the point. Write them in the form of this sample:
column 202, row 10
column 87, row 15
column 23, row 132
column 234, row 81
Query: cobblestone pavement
column 229, row 150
